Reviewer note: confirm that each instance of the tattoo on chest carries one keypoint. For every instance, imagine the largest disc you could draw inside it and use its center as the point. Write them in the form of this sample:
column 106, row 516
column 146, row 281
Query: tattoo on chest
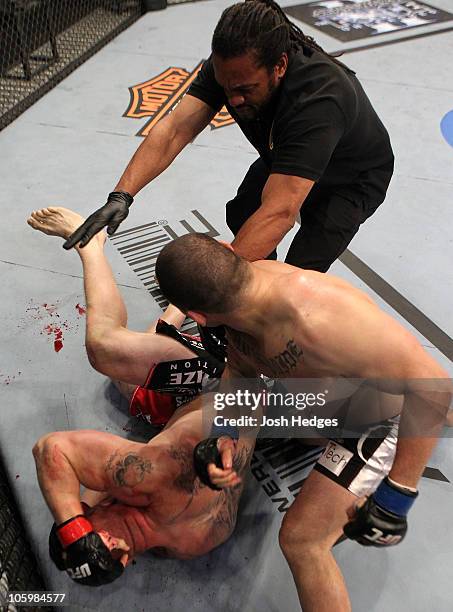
column 225, row 511
column 281, row 364
column 128, row 470
column 186, row 480
column 241, row 343
column 287, row 360
column 240, row 460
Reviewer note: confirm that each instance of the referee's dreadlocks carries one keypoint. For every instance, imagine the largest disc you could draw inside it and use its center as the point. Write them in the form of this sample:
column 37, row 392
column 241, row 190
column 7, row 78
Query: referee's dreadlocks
column 261, row 26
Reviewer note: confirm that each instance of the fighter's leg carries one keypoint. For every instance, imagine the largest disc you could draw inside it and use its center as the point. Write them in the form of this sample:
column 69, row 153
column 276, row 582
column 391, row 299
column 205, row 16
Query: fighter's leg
column 56, row 221
column 309, row 530
column 103, row 298
column 248, row 198
column 112, row 349
column 348, row 470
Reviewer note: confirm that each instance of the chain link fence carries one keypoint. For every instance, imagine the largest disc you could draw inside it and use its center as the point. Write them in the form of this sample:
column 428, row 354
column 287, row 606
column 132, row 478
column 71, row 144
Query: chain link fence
column 18, row 568
column 42, row 41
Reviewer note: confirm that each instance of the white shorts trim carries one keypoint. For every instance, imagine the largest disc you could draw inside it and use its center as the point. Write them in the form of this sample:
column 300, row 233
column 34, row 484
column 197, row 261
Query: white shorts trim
column 378, row 465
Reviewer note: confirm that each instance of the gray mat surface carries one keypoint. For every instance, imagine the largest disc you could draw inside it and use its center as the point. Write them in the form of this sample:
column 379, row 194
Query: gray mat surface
column 69, row 149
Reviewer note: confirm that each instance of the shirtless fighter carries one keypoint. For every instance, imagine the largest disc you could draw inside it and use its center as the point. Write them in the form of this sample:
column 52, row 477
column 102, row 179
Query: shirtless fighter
column 139, row 496
column 285, row 322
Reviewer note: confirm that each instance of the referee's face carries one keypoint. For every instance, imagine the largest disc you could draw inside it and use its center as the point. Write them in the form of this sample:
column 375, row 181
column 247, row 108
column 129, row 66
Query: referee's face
column 248, row 86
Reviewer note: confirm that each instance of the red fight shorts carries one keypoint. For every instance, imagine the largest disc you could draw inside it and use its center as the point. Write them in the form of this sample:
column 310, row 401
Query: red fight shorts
column 156, row 408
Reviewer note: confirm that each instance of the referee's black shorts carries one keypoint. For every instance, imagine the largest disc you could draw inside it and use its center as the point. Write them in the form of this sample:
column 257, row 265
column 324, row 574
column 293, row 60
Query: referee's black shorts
column 329, row 218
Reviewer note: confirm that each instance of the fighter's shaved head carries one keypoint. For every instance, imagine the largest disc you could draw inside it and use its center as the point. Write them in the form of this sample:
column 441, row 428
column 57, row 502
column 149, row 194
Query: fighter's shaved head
column 195, row 272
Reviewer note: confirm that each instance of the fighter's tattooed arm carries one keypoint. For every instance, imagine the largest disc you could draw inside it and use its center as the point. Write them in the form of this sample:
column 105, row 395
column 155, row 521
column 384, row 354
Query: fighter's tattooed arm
column 225, row 512
column 96, row 460
column 128, row 470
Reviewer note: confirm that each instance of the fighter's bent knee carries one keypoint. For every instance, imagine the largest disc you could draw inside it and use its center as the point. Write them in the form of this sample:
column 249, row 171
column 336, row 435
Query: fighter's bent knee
column 298, row 541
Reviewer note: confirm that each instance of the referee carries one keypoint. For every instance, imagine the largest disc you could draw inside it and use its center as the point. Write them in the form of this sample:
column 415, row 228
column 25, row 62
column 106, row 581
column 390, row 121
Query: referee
column 323, row 151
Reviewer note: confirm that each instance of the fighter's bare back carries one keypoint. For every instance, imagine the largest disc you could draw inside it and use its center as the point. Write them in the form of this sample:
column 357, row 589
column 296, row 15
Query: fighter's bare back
column 317, row 324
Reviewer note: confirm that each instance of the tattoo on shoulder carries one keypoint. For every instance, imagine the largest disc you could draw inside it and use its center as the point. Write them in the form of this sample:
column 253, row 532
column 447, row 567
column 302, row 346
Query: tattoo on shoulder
column 242, row 342
column 186, row 480
column 128, row 470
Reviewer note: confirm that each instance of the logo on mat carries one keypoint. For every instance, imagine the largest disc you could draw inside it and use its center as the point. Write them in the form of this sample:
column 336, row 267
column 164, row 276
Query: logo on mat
column 353, row 19
column 335, row 458
column 157, row 97
column 446, row 127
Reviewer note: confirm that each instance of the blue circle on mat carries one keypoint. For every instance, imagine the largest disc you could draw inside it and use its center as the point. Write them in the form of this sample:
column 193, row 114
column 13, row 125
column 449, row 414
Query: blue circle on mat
column 446, row 127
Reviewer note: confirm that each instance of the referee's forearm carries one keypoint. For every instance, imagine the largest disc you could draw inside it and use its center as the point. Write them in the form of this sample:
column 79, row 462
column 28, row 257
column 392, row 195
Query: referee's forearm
column 262, row 233
column 153, row 156
column 422, row 419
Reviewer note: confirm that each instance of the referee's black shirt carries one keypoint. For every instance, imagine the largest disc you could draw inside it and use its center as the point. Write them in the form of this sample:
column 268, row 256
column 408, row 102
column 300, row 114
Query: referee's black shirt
column 320, row 125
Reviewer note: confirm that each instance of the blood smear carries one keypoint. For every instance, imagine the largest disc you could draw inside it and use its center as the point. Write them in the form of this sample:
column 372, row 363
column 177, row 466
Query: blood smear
column 58, row 327
column 58, row 336
column 80, row 309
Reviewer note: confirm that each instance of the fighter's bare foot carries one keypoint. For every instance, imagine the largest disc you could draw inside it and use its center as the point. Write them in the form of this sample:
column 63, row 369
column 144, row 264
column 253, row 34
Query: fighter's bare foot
column 58, row 221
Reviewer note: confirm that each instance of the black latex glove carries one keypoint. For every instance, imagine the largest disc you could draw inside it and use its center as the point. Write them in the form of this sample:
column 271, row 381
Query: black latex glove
column 111, row 214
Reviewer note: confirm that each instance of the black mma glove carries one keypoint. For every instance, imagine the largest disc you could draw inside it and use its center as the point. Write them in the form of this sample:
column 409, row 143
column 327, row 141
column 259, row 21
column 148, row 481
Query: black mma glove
column 56, row 551
column 111, row 214
column 85, row 557
column 381, row 521
column 204, row 453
